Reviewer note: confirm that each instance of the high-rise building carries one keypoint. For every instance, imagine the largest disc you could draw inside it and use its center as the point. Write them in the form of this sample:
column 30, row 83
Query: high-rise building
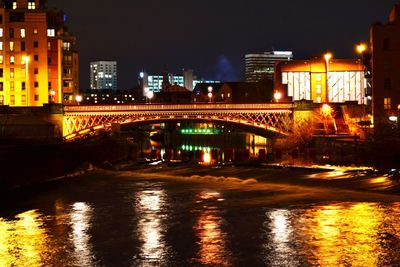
column 385, row 63
column 31, row 54
column 262, row 66
column 103, row 75
column 334, row 81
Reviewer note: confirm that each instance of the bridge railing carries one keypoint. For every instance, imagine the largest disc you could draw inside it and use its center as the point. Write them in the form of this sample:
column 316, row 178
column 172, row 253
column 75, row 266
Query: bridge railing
column 197, row 106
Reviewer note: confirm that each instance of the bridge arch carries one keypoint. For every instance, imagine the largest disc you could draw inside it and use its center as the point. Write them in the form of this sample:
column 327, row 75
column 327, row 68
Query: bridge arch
column 263, row 119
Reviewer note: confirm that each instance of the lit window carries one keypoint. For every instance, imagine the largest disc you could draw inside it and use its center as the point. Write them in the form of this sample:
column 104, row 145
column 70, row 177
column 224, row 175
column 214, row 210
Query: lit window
column 1, row 59
column 49, row 46
column 387, row 103
column 319, row 99
column 11, row 73
column 1, row 32
column 11, row 46
column 12, row 59
column 51, row 33
column 23, row 33
column 318, row 91
column 35, row 31
column 14, row 5
column 31, row 5
column 318, row 77
column 66, row 46
column 23, row 100
column 1, row 45
column 12, row 86
column 12, row 100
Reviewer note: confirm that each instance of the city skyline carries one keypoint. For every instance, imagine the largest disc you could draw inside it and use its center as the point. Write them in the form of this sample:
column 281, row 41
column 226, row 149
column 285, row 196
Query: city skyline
column 213, row 38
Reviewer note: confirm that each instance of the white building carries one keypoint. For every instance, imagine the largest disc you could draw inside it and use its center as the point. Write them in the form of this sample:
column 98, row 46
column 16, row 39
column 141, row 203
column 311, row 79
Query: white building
column 103, row 75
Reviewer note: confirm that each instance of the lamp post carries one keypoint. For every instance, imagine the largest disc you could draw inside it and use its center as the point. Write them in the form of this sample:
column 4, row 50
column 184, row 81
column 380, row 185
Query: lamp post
column 361, row 48
column 150, row 95
column 210, row 94
column 327, row 57
column 277, row 96
column 78, row 99
column 26, row 60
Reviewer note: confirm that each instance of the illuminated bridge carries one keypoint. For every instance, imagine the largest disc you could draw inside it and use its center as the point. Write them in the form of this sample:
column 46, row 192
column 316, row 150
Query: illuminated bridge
column 260, row 118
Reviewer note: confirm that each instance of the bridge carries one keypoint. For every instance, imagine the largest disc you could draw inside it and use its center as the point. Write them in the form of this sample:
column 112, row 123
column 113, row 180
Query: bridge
column 261, row 118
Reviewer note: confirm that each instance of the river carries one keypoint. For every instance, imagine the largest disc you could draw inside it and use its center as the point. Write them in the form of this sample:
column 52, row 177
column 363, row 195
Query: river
column 206, row 216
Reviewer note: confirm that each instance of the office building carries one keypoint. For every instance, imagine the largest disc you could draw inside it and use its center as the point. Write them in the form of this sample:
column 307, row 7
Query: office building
column 385, row 63
column 31, row 65
column 262, row 66
column 103, row 75
column 154, row 83
column 322, row 81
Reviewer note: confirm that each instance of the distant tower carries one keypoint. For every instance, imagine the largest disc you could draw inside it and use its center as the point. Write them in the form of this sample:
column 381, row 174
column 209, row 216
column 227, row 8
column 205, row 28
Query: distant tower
column 103, row 75
column 262, row 66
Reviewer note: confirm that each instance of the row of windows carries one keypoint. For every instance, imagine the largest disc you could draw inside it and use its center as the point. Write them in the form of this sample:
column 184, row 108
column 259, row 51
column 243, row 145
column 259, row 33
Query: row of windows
column 22, row 32
column 23, row 86
column 31, row 5
column 12, row 99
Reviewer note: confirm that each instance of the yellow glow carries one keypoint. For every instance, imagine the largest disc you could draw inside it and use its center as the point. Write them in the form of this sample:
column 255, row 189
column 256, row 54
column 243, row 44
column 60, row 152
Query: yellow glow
column 24, row 241
column 207, row 157
column 340, row 234
column 25, row 59
column 326, row 110
column 277, row 96
column 361, row 48
column 212, row 239
column 328, row 56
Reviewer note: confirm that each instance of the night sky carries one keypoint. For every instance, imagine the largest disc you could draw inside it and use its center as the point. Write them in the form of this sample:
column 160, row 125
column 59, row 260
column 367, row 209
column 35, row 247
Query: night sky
column 212, row 36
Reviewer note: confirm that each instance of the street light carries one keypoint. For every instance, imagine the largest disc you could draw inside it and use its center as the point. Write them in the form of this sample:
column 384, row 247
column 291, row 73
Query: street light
column 277, row 96
column 210, row 94
column 361, row 48
column 327, row 57
column 26, row 61
column 78, row 99
column 150, row 95
column 52, row 94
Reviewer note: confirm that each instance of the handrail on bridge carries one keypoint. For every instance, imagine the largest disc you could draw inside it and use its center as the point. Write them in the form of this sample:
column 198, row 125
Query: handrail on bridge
column 153, row 107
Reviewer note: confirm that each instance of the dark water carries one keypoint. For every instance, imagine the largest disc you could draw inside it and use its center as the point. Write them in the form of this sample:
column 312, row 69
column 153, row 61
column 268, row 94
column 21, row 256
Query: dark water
column 109, row 219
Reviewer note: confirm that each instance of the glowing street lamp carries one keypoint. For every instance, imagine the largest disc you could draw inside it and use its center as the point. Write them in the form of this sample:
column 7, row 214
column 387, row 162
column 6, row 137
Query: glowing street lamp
column 210, row 94
column 52, row 94
column 327, row 57
column 277, row 96
column 78, row 99
column 150, row 95
column 361, row 48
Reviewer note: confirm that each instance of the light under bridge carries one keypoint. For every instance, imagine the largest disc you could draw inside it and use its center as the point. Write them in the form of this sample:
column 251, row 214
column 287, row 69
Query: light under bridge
column 261, row 118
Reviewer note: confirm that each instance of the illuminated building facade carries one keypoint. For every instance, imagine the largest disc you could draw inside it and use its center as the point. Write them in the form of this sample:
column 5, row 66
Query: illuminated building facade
column 262, row 66
column 103, row 75
column 31, row 52
column 385, row 62
column 320, row 80
column 154, row 82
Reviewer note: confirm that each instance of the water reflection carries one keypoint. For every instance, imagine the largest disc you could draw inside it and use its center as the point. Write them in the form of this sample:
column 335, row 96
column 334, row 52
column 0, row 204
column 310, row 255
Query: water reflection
column 280, row 251
column 209, row 229
column 151, row 207
column 80, row 216
column 348, row 235
column 23, row 241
